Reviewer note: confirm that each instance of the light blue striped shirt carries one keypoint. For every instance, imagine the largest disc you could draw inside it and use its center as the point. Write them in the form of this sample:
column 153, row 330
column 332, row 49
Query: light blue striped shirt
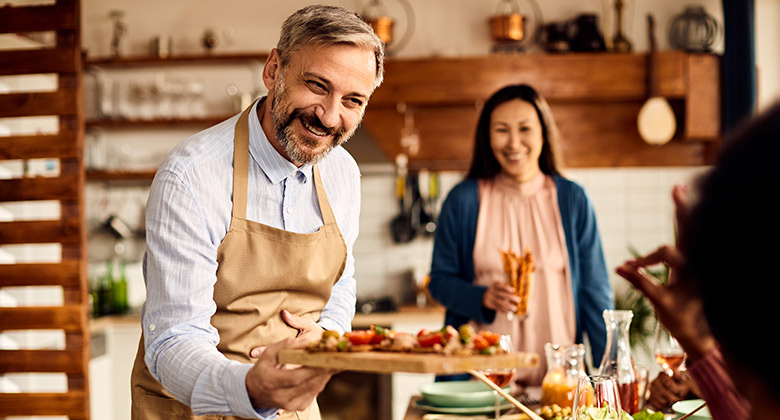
column 188, row 214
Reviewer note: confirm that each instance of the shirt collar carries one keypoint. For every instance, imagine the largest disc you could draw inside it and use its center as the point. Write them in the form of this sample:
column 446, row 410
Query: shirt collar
column 274, row 165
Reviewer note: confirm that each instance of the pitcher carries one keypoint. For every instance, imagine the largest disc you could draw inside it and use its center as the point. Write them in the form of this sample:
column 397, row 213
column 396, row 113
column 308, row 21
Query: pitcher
column 565, row 366
column 617, row 361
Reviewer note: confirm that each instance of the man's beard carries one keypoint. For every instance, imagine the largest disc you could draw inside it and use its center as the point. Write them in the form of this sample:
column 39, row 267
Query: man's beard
column 300, row 148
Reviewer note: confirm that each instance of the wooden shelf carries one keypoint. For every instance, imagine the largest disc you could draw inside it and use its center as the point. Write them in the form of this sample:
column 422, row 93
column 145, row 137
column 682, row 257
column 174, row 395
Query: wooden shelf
column 157, row 122
column 108, row 175
column 185, row 59
column 595, row 98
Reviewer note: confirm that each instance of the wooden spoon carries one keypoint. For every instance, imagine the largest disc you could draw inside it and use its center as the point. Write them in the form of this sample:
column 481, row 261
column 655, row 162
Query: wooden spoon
column 656, row 121
column 506, row 395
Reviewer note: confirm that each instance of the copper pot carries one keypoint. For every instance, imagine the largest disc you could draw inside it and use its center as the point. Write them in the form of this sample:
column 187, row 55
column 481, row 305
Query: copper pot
column 507, row 27
column 383, row 27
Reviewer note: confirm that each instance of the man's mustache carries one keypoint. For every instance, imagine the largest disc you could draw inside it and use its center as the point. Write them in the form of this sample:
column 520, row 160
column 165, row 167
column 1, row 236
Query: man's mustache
column 313, row 121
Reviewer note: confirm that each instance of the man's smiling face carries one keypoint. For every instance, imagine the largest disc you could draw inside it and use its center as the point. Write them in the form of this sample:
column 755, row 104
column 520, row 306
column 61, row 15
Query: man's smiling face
column 318, row 99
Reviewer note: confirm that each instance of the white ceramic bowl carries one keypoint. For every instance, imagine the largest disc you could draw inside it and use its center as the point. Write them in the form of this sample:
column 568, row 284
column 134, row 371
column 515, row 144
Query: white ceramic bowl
column 460, row 394
column 684, row 407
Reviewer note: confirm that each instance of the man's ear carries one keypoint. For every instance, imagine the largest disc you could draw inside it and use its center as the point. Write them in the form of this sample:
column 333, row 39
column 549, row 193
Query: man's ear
column 271, row 69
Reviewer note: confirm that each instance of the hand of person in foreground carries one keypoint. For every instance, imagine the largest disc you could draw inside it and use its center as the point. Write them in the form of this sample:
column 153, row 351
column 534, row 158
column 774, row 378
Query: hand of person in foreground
column 666, row 390
column 270, row 384
column 677, row 305
column 500, row 296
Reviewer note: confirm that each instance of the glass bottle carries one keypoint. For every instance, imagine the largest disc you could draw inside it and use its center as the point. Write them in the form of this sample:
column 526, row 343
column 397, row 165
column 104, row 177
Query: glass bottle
column 565, row 366
column 105, row 290
column 617, row 361
column 120, row 290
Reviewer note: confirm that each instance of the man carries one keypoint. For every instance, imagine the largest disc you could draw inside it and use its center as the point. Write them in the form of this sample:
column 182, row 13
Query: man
column 250, row 226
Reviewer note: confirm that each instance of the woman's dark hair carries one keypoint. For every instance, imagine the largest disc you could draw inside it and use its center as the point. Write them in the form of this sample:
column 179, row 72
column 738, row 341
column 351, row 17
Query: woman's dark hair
column 729, row 247
column 484, row 164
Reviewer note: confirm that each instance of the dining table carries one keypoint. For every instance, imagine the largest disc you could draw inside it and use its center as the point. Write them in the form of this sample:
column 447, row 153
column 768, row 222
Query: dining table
column 415, row 413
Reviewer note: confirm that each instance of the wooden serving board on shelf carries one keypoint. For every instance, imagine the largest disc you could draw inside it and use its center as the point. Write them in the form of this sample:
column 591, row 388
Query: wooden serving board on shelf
column 388, row 362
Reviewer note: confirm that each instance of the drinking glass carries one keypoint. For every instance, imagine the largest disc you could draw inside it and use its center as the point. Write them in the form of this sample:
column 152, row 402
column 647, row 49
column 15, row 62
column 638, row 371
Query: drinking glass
column 501, row 377
column 597, row 397
column 668, row 352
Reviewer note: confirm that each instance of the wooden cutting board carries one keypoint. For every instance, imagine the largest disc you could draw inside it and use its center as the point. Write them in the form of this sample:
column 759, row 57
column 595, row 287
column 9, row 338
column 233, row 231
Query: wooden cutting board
column 388, row 362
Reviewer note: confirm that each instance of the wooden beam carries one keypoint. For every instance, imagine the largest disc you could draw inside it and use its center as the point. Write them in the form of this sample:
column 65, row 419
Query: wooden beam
column 66, row 318
column 26, row 189
column 66, row 273
column 48, row 60
column 61, row 102
column 72, row 404
column 59, row 145
column 67, row 230
column 66, row 361
column 703, row 110
column 23, row 19
column 563, row 77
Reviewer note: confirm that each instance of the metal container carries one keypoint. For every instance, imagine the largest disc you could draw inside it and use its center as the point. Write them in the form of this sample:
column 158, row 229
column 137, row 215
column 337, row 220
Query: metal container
column 507, row 27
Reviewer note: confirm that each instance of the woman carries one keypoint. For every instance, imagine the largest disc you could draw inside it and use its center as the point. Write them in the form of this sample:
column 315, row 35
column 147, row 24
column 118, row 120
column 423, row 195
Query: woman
column 514, row 198
column 720, row 302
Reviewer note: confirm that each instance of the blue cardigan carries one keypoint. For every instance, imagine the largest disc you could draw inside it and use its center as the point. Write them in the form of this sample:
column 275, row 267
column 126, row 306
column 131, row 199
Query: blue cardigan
column 452, row 268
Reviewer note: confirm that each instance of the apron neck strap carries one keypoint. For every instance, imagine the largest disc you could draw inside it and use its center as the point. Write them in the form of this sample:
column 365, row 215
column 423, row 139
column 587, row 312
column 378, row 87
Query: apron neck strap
column 327, row 212
column 241, row 164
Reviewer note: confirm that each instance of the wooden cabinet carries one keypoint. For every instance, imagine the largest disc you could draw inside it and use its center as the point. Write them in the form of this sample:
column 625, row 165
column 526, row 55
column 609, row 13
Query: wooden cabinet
column 138, row 64
column 595, row 98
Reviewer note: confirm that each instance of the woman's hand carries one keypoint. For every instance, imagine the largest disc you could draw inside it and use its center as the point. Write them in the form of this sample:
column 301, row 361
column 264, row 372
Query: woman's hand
column 500, row 296
column 677, row 305
column 666, row 390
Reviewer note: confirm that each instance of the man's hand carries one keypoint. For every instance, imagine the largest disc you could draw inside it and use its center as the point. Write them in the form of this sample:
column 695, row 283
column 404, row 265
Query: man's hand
column 270, row 384
column 308, row 330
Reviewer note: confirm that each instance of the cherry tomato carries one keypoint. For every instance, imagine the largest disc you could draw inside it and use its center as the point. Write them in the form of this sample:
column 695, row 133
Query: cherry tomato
column 359, row 337
column 492, row 338
column 480, row 342
column 430, row 339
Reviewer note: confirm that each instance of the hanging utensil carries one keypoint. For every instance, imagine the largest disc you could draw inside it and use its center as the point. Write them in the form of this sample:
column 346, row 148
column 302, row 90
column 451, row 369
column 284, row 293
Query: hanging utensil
column 656, row 122
column 427, row 224
column 401, row 227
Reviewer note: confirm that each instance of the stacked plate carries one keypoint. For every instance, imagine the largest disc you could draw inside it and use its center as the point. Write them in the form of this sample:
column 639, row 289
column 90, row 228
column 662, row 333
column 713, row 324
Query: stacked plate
column 459, row 397
column 682, row 408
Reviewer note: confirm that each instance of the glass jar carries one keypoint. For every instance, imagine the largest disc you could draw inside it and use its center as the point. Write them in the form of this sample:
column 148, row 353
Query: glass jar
column 618, row 361
column 565, row 366
column 694, row 30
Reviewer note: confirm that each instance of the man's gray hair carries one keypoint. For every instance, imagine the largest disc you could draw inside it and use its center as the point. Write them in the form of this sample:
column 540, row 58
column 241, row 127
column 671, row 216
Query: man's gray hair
column 328, row 25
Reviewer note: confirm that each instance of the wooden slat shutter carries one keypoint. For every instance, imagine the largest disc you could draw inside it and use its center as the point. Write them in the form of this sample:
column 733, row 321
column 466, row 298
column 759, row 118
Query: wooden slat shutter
column 66, row 103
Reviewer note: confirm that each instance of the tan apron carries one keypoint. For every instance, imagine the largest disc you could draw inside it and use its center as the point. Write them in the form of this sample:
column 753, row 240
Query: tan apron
column 262, row 270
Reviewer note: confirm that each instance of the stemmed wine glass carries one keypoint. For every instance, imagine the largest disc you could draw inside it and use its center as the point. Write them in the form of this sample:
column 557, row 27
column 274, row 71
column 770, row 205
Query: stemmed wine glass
column 597, row 397
column 501, row 377
column 668, row 352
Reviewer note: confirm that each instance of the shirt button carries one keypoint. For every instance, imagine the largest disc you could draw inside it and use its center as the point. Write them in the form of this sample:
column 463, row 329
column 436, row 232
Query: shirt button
column 152, row 327
column 289, row 210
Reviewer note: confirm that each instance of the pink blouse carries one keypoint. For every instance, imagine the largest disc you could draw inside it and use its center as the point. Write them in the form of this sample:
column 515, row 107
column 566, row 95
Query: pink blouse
column 516, row 217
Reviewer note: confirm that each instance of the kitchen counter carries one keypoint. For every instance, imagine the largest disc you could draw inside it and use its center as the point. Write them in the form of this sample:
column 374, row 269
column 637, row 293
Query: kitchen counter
column 404, row 315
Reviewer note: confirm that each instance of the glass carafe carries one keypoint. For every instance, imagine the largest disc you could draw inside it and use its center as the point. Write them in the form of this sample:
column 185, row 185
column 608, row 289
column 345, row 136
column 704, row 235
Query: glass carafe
column 617, row 361
column 565, row 366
